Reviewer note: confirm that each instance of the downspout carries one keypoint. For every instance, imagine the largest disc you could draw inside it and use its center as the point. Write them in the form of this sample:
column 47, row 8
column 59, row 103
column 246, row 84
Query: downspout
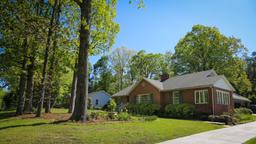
column 213, row 113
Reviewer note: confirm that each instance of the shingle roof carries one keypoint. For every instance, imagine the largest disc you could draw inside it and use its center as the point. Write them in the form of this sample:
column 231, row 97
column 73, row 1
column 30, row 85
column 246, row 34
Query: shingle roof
column 125, row 91
column 95, row 93
column 240, row 98
column 198, row 79
column 204, row 78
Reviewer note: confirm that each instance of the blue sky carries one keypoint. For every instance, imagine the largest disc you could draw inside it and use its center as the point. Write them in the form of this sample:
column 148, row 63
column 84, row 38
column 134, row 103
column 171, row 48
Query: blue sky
column 162, row 23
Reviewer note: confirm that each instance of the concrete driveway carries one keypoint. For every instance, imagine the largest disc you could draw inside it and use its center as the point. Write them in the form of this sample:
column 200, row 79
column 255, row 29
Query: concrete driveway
column 231, row 135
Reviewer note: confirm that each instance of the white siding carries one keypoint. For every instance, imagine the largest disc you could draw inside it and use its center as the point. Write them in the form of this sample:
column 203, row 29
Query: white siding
column 102, row 98
column 222, row 84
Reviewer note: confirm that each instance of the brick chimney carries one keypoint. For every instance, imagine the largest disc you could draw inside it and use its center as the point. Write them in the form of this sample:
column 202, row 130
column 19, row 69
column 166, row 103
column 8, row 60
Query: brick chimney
column 164, row 77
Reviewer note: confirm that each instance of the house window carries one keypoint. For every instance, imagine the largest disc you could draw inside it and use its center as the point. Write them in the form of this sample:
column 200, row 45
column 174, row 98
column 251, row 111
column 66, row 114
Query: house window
column 201, row 97
column 223, row 97
column 96, row 102
column 176, row 97
column 144, row 98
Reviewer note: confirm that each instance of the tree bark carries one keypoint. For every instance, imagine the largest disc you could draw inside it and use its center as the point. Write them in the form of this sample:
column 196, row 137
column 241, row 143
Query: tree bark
column 30, row 86
column 53, row 63
column 44, row 73
column 80, row 108
column 22, row 83
column 73, row 91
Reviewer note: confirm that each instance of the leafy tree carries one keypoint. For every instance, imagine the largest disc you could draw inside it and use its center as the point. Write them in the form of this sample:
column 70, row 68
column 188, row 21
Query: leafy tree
column 119, row 59
column 148, row 65
column 251, row 72
column 206, row 48
column 102, row 75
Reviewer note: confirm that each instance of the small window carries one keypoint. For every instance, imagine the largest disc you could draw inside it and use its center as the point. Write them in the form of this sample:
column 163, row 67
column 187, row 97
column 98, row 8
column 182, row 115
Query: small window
column 201, row 97
column 144, row 98
column 97, row 102
column 223, row 97
column 176, row 97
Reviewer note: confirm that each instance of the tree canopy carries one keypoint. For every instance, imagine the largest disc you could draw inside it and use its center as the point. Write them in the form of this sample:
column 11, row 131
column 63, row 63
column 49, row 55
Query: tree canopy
column 206, row 48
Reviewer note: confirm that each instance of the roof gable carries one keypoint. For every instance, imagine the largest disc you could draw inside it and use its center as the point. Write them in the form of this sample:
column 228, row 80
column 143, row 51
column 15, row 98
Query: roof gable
column 223, row 83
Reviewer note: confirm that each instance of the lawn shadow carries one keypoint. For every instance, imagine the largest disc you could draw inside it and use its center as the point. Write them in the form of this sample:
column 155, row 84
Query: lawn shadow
column 59, row 121
column 23, row 125
column 4, row 115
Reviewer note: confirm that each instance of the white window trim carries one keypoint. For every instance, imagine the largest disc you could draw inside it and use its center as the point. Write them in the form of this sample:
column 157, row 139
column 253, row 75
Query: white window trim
column 173, row 98
column 220, row 94
column 201, row 91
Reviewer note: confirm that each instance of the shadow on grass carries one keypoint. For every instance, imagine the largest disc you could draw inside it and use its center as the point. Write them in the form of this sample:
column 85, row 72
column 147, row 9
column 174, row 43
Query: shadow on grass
column 59, row 121
column 8, row 114
column 23, row 125
column 34, row 124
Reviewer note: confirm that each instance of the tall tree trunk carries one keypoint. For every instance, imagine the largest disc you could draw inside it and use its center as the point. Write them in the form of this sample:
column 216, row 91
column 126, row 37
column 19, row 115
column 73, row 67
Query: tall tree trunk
column 30, row 86
column 73, row 92
column 22, row 83
column 52, row 69
column 50, row 77
column 44, row 73
column 80, row 109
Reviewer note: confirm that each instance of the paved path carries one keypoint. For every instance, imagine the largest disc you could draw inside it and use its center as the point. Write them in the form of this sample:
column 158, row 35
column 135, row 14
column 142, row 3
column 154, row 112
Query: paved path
column 231, row 135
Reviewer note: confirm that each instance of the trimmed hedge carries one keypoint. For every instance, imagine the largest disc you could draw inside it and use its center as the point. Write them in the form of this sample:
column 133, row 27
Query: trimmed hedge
column 143, row 109
column 180, row 110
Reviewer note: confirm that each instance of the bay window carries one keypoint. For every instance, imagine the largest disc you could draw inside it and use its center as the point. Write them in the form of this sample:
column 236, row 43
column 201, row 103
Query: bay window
column 223, row 97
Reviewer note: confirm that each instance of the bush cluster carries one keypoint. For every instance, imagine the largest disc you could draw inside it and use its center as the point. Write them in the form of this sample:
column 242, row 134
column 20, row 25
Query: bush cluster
column 227, row 119
column 243, row 111
column 96, row 115
column 123, row 116
column 143, row 109
column 180, row 110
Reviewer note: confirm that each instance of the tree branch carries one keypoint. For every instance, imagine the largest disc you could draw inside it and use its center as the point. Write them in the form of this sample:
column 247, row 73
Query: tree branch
column 78, row 2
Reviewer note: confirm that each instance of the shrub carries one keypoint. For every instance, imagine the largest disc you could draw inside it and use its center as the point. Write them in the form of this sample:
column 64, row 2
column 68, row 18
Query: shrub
column 150, row 118
column 112, row 115
column 123, row 116
column 89, row 104
column 111, row 105
column 143, row 109
column 95, row 115
column 180, row 110
column 243, row 111
column 227, row 119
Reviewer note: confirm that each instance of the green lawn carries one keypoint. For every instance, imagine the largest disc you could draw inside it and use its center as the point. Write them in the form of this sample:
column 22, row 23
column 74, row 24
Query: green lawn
column 251, row 141
column 44, row 131
column 245, row 118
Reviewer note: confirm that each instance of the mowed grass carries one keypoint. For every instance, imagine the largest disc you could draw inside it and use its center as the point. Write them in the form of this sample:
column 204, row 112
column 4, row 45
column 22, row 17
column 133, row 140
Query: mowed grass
column 16, row 130
column 251, row 141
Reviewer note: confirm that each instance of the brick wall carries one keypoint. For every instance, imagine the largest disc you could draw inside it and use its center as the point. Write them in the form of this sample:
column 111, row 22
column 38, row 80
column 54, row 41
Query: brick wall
column 144, row 88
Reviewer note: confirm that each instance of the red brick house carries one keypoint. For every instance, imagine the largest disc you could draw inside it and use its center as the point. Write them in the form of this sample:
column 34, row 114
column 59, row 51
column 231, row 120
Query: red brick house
column 209, row 92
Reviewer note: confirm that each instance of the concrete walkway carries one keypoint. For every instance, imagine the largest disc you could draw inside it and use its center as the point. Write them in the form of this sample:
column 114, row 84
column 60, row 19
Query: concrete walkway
column 231, row 135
